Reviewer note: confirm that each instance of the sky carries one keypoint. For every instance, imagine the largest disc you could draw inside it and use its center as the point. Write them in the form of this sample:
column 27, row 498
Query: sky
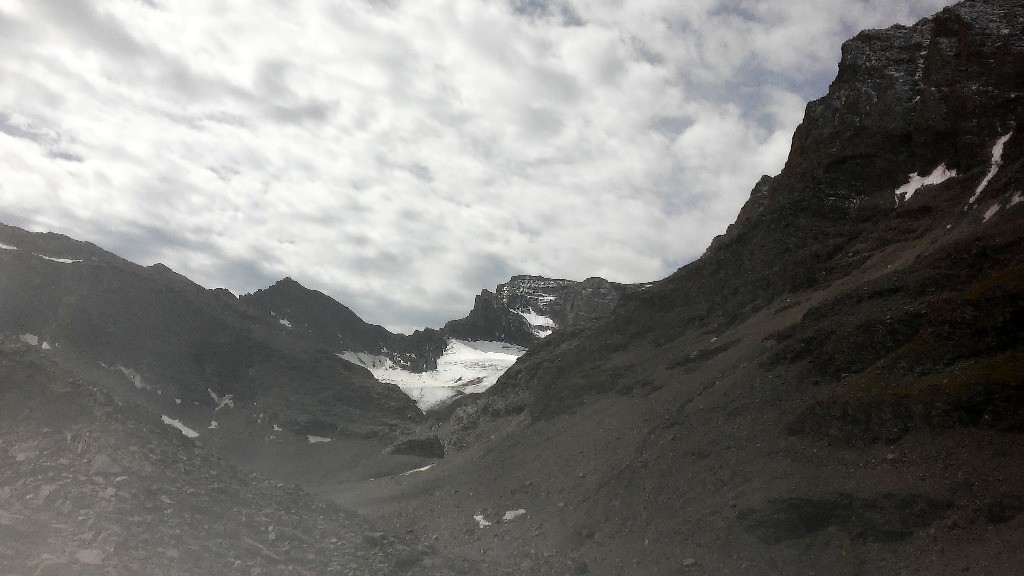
column 402, row 155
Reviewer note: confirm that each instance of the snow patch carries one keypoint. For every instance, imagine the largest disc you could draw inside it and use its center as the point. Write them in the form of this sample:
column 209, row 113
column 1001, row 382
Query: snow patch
column 513, row 514
column 60, row 260
column 366, row 360
column 997, row 162
column 991, row 212
column 317, row 439
column 540, row 325
column 45, row 346
column 222, row 401
column 481, row 520
column 277, row 428
column 465, row 367
column 30, row 339
column 536, row 319
column 938, row 176
column 213, row 425
column 1017, row 199
column 284, row 323
column 425, row 468
column 7, row 247
column 135, row 377
column 181, row 427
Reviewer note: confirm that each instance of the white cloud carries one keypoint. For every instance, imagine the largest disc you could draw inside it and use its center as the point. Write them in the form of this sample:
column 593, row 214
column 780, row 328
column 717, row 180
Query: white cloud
column 403, row 155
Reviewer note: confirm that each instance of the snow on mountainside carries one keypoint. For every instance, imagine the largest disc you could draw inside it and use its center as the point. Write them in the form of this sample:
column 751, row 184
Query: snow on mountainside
column 466, row 356
column 528, row 308
column 465, row 367
column 534, row 298
column 541, row 325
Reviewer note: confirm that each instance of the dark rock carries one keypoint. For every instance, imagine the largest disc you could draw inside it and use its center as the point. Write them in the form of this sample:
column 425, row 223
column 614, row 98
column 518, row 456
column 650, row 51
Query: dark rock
column 906, row 100
column 1004, row 509
column 406, row 559
column 491, row 320
column 883, row 518
column 580, row 567
column 428, row 447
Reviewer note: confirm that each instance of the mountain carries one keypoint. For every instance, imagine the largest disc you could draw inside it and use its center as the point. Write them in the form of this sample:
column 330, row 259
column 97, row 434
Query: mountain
column 835, row 386
column 173, row 340
column 527, row 308
column 333, row 326
column 466, row 356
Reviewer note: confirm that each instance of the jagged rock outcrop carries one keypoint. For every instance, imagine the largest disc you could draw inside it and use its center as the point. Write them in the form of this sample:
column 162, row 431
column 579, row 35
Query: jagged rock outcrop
column 490, row 319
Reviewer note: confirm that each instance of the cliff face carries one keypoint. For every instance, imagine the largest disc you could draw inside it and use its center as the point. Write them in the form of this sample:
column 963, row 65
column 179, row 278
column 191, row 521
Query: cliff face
column 934, row 103
column 528, row 308
column 835, row 385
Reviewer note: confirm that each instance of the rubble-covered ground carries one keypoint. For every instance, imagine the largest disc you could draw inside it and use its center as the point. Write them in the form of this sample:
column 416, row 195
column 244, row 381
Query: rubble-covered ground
column 91, row 486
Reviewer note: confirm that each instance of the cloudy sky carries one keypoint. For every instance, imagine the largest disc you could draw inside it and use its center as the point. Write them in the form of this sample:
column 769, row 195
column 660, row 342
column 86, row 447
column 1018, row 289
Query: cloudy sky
column 401, row 155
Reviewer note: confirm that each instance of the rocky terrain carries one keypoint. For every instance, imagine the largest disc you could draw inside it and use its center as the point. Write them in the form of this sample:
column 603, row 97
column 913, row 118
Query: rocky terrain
column 90, row 485
column 835, row 387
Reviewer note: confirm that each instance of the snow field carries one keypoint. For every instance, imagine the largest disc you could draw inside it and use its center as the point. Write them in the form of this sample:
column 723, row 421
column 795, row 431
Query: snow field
column 938, row 176
column 464, row 367
column 181, row 427
column 997, row 162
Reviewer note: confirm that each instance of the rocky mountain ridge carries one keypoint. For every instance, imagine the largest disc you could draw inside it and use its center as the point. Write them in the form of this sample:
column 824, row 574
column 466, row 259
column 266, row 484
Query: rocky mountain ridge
column 172, row 339
column 519, row 312
column 907, row 100
column 527, row 308
column 834, row 387
column 334, row 326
